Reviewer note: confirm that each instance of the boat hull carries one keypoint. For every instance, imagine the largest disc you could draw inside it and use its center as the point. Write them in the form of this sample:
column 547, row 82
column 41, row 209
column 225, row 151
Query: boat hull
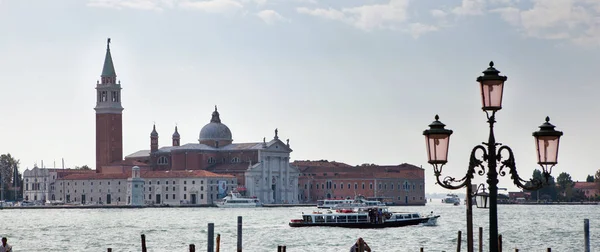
column 237, row 205
column 387, row 224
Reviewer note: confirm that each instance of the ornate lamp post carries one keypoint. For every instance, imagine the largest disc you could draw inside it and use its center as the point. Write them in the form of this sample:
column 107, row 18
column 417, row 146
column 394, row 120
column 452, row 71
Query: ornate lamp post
column 438, row 139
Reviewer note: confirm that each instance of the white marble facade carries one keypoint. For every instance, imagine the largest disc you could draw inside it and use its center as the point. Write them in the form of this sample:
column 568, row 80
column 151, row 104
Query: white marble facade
column 273, row 180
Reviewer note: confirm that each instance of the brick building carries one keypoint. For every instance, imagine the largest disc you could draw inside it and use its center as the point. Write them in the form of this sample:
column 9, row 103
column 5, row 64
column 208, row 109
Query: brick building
column 402, row 184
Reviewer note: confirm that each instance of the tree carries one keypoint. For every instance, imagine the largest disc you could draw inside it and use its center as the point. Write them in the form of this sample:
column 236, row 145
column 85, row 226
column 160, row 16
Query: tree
column 83, row 167
column 548, row 191
column 597, row 179
column 589, row 178
column 7, row 166
column 564, row 181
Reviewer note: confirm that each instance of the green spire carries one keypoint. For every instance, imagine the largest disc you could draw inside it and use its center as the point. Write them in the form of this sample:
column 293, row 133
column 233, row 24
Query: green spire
column 109, row 68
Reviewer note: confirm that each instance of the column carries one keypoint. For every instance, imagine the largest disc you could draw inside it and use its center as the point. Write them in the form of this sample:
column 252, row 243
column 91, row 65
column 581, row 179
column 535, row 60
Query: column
column 269, row 182
column 261, row 192
column 281, row 181
column 286, row 166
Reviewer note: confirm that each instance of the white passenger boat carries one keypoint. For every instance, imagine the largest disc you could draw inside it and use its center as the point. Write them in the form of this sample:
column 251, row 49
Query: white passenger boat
column 362, row 218
column 330, row 203
column 236, row 200
column 452, row 199
column 359, row 202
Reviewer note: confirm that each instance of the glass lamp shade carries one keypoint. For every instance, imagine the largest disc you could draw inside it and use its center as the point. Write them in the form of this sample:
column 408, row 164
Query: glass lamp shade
column 492, row 87
column 482, row 200
column 437, row 140
column 546, row 141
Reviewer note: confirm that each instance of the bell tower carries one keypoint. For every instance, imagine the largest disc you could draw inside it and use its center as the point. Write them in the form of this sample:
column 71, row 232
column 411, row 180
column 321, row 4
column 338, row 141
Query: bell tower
column 109, row 124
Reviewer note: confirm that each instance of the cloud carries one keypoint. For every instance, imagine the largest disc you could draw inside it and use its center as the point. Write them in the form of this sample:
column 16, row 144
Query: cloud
column 575, row 20
column 438, row 13
column 418, row 29
column 270, row 16
column 213, row 6
column 366, row 17
column 470, row 7
column 155, row 5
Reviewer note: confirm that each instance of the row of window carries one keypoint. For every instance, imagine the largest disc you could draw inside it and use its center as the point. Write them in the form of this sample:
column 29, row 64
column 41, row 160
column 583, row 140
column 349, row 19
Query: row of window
column 174, row 196
column 174, row 188
column 405, row 186
column 211, row 160
column 149, row 182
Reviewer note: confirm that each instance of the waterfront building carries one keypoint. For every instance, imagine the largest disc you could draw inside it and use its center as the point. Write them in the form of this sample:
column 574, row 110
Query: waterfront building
column 39, row 184
column 589, row 189
column 153, row 187
column 402, row 184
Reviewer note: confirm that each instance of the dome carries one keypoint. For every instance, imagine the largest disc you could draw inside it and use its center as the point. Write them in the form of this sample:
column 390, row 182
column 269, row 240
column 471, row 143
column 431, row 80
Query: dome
column 215, row 130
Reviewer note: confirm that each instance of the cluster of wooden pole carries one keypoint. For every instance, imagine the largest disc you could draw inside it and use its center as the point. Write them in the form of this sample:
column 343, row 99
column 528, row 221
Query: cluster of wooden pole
column 280, row 248
column 586, row 230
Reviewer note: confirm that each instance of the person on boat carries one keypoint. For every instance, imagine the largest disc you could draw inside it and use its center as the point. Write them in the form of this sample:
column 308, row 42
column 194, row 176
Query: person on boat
column 356, row 246
column 380, row 215
column 5, row 247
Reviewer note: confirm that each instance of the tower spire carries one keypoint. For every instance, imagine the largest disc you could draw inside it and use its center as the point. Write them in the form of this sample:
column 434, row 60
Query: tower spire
column 109, row 69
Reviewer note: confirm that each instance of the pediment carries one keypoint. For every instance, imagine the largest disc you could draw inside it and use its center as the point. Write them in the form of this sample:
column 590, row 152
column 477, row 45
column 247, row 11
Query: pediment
column 277, row 145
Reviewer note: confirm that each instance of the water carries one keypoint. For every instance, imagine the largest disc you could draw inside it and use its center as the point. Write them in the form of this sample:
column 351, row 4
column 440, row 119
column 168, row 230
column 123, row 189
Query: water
column 526, row 227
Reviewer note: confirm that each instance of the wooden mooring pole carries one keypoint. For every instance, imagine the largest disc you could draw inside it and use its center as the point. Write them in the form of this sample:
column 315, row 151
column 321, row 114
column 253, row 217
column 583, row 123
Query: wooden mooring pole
column 109, row 250
column 586, row 234
column 422, row 249
column 500, row 243
column 144, row 243
column 458, row 241
column 480, row 239
column 192, row 248
column 218, row 242
column 211, row 238
column 239, row 234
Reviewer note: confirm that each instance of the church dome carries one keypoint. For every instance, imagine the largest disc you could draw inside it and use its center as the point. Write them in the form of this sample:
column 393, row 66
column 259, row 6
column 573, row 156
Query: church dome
column 215, row 130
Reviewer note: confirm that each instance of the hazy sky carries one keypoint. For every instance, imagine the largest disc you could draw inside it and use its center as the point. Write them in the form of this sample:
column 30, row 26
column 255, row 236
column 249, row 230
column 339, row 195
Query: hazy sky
column 351, row 81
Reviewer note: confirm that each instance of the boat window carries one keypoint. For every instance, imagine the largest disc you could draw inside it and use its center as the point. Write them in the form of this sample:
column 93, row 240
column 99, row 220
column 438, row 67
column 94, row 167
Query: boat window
column 351, row 218
column 307, row 218
column 362, row 218
column 319, row 219
column 415, row 215
column 341, row 218
column 330, row 218
column 399, row 217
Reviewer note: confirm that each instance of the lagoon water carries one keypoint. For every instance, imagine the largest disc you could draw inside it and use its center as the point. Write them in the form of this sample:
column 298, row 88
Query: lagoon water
column 526, row 227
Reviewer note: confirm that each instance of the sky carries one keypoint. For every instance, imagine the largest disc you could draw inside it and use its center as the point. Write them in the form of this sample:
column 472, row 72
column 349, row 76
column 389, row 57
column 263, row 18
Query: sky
column 349, row 81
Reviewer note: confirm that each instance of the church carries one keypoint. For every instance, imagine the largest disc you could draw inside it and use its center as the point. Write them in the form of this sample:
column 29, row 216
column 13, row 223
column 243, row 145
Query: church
column 203, row 171
column 262, row 169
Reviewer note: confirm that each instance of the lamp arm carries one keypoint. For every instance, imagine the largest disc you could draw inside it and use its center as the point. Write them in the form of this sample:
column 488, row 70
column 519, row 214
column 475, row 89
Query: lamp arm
column 453, row 183
column 509, row 163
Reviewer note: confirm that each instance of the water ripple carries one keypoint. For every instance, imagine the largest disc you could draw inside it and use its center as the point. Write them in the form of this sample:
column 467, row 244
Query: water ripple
column 528, row 228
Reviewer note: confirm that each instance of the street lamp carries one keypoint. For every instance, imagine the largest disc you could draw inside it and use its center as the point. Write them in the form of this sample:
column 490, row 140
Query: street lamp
column 438, row 139
column 482, row 198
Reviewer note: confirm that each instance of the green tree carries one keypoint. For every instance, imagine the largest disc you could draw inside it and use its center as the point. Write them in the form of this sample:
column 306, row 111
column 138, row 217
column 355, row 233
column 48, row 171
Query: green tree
column 548, row 191
column 83, row 167
column 589, row 178
column 564, row 181
column 8, row 164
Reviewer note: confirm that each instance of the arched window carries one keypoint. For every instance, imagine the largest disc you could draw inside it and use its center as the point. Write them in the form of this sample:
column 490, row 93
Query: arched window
column 341, row 185
column 235, row 160
column 163, row 160
column 355, row 186
column 211, row 160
